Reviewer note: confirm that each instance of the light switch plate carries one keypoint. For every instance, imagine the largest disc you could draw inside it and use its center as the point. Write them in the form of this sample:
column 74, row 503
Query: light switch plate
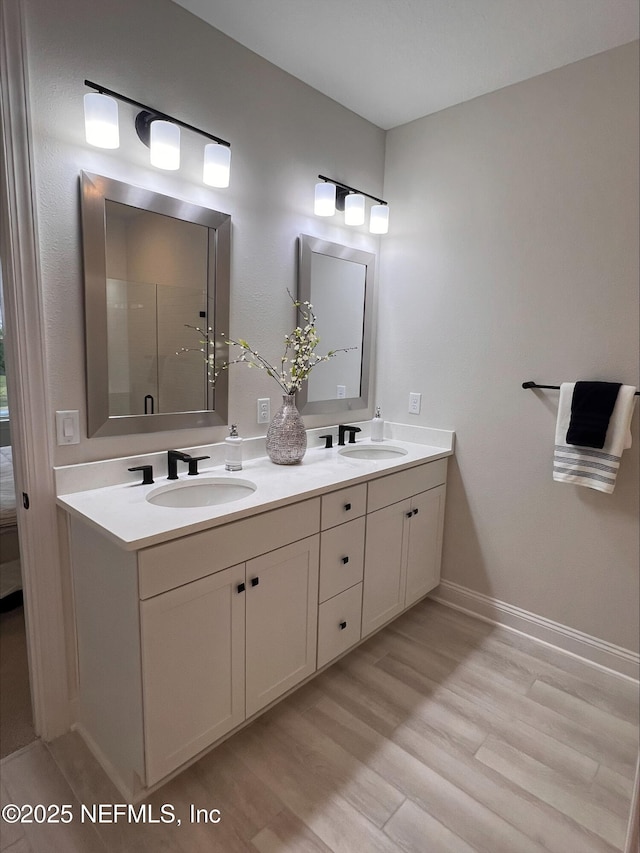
column 68, row 427
column 341, row 392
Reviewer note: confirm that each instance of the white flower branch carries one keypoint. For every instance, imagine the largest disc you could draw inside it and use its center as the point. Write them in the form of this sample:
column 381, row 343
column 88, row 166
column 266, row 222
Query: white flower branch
column 296, row 363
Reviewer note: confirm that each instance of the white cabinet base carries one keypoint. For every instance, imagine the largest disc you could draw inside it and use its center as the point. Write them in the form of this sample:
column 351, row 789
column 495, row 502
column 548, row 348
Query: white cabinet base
column 177, row 651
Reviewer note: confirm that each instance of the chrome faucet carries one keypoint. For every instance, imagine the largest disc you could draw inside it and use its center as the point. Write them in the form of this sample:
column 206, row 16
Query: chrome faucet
column 352, row 430
column 173, row 457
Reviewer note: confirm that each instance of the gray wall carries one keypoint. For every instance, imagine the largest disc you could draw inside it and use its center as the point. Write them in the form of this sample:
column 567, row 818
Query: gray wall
column 283, row 133
column 514, row 255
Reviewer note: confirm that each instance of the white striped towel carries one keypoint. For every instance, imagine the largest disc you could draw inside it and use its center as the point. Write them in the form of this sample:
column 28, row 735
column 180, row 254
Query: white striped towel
column 586, row 466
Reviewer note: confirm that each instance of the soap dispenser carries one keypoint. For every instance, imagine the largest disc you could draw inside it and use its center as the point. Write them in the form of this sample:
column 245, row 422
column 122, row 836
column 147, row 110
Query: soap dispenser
column 377, row 426
column 233, row 450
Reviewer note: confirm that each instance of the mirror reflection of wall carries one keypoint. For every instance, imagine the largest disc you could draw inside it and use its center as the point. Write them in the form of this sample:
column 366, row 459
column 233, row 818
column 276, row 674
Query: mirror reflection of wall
column 338, row 292
column 156, row 268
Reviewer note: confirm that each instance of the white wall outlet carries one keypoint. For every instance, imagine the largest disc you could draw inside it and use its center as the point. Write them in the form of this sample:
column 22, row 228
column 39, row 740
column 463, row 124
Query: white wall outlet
column 414, row 402
column 68, row 427
column 264, row 410
column 341, row 392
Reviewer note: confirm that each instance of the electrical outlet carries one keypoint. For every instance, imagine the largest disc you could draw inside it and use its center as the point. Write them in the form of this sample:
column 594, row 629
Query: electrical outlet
column 341, row 392
column 414, row 403
column 264, row 410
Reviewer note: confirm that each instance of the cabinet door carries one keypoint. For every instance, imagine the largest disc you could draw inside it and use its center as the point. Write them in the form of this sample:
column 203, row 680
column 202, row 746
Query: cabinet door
column 384, row 577
column 282, row 620
column 425, row 544
column 193, row 668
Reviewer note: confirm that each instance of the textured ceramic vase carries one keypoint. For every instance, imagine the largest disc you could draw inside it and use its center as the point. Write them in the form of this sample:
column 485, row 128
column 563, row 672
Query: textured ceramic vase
column 286, row 436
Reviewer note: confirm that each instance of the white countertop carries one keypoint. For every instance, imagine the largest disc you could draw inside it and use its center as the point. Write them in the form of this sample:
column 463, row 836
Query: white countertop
column 123, row 513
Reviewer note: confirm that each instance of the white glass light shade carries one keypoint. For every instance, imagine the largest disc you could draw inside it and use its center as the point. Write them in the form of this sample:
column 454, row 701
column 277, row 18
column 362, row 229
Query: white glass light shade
column 217, row 165
column 379, row 219
column 164, row 143
column 101, row 120
column 354, row 209
column 325, row 200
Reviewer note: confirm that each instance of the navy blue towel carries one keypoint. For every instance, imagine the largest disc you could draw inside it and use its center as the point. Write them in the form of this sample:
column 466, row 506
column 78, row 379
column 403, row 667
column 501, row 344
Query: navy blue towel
column 591, row 407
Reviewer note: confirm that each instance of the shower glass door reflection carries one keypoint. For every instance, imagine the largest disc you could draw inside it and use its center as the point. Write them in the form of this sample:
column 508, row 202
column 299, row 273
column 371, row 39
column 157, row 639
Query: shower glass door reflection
column 156, row 358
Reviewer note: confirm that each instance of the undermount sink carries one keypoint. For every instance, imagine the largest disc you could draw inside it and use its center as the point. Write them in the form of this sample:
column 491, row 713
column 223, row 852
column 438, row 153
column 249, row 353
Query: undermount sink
column 209, row 491
column 372, row 451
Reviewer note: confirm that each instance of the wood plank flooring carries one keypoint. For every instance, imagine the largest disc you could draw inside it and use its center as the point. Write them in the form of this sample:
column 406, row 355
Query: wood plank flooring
column 441, row 734
column 16, row 721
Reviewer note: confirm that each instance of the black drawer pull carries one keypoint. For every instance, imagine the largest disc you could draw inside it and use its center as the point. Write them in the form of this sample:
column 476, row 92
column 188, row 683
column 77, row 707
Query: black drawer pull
column 416, row 511
column 241, row 587
column 255, row 581
column 347, row 507
column 409, row 514
column 343, row 625
column 345, row 560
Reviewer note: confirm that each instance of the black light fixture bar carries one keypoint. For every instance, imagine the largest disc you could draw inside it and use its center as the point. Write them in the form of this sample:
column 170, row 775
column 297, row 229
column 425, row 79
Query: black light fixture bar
column 155, row 114
column 342, row 186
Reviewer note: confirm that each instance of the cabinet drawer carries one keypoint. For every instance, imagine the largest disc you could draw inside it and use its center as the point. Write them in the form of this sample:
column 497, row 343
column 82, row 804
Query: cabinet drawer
column 396, row 487
column 341, row 557
column 339, row 624
column 343, row 505
column 171, row 564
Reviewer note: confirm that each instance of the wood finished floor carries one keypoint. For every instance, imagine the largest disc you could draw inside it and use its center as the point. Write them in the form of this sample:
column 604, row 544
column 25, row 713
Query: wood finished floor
column 441, row 734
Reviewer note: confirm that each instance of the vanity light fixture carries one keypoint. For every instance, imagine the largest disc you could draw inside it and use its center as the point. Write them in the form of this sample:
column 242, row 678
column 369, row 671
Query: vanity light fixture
column 157, row 130
column 379, row 219
column 164, row 144
column 217, row 165
column 325, row 199
column 101, row 120
column 354, row 209
column 332, row 195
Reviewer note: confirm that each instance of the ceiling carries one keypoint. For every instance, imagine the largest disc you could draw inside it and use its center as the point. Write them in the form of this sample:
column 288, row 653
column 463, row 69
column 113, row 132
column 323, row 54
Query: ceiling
column 393, row 61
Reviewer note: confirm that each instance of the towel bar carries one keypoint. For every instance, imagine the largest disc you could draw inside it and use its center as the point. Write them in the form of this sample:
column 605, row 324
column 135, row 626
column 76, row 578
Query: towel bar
column 532, row 384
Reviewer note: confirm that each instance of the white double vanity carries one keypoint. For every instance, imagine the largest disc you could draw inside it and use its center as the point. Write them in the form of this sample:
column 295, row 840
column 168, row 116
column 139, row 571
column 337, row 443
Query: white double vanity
column 191, row 620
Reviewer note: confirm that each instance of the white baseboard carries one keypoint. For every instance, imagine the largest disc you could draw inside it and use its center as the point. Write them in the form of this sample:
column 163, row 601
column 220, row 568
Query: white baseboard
column 591, row 649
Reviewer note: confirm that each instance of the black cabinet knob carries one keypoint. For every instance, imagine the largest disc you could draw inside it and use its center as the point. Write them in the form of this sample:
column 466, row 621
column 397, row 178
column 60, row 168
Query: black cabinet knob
column 343, row 625
column 347, row 507
column 416, row 511
column 241, row 587
column 409, row 514
column 345, row 560
column 255, row 581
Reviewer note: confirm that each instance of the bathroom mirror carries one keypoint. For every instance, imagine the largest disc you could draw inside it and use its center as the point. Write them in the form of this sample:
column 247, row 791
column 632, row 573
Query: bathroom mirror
column 339, row 283
column 156, row 270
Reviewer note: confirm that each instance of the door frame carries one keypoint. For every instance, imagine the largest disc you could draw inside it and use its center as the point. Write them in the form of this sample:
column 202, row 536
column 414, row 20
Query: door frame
column 31, row 429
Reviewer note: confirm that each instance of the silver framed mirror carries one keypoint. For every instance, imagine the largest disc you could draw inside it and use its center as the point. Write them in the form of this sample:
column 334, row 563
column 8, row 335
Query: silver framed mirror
column 156, row 287
column 339, row 282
